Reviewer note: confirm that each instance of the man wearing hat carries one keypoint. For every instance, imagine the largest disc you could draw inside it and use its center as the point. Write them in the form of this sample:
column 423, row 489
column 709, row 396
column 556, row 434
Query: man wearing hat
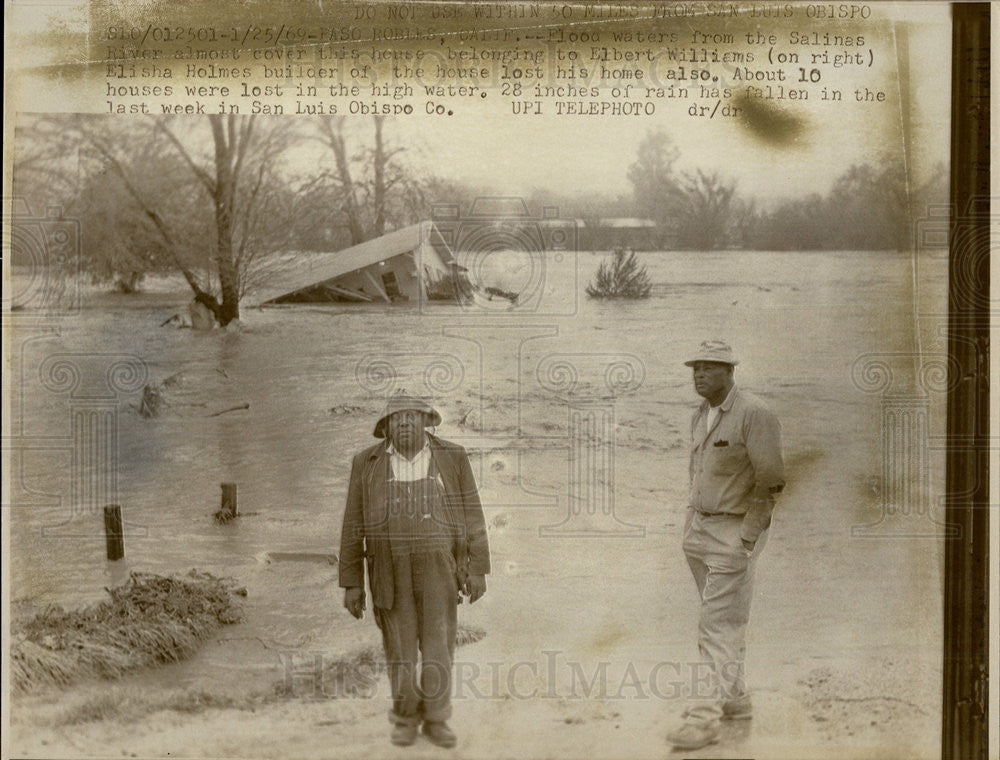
column 413, row 515
column 736, row 471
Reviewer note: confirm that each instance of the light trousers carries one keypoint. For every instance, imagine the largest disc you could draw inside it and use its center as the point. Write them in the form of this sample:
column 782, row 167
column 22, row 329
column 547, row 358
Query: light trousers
column 723, row 573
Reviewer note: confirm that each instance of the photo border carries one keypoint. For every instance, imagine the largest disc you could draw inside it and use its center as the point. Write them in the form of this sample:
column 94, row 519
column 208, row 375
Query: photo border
column 965, row 706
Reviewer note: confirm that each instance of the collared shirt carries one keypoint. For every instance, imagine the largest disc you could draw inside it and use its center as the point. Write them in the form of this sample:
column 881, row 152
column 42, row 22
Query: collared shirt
column 409, row 470
column 736, row 465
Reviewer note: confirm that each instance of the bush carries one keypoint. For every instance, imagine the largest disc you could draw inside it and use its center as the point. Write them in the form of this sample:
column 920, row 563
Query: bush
column 620, row 277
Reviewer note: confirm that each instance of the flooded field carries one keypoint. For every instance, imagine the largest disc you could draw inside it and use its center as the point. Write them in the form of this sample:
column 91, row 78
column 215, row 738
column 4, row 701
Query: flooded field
column 594, row 564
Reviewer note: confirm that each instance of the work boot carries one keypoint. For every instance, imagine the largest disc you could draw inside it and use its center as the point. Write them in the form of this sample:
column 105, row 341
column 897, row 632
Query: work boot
column 740, row 708
column 439, row 733
column 404, row 734
column 694, row 735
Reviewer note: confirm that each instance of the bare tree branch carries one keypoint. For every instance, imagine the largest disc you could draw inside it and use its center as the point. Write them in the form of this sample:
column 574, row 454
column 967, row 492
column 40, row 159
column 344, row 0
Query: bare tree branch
column 198, row 171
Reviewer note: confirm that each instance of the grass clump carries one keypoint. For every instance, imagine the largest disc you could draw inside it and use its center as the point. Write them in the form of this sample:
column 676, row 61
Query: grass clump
column 149, row 620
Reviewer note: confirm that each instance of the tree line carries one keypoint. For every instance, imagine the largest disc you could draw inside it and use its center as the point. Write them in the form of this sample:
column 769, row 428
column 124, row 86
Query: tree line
column 215, row 199
column 868, row 207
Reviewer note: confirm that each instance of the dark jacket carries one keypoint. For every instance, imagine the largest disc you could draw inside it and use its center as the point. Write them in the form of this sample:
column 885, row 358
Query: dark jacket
column 366, row 512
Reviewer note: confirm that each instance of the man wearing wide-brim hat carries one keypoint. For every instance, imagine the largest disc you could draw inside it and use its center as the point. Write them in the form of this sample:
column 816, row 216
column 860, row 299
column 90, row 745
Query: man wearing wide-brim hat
column 414, row 517
column 736, row 471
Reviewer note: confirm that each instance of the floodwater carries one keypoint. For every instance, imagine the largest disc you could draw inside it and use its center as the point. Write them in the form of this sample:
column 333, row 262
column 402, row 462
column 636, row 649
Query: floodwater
column 508, row 383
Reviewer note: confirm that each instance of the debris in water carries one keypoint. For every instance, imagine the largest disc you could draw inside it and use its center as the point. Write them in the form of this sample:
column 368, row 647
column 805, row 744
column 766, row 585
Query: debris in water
column 471, row 419
column 152, row 401
column 242, row 406
column 344, row 409
column 176, row 321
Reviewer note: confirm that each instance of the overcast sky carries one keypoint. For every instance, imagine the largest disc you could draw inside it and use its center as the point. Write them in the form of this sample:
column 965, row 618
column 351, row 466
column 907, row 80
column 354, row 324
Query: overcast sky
column 515, row 154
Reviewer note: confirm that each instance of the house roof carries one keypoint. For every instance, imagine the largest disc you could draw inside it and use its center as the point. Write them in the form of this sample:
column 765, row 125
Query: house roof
column 620, row 222
column 300, row 272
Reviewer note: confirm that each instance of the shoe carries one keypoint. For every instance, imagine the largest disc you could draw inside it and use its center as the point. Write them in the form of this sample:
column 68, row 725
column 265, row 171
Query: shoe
column 737, row 709
column 694, row 736
column 404, row 734
column 439, row 733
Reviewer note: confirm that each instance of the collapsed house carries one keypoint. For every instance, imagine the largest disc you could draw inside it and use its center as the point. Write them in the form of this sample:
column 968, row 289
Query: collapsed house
column 410, row 264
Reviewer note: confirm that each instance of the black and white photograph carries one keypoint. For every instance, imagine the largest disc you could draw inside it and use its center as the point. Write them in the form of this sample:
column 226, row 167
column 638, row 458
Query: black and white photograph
column 494, row 380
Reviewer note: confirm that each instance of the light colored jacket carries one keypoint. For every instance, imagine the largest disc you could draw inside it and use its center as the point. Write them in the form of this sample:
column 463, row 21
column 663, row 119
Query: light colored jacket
column 736, row 466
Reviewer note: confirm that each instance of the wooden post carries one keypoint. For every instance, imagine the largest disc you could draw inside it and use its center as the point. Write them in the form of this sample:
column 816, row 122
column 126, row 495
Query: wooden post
column 114, row 533
column 228, row 510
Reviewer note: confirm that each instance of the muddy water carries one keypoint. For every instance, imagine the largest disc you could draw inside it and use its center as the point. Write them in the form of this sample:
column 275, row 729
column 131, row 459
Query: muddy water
column 505, row 381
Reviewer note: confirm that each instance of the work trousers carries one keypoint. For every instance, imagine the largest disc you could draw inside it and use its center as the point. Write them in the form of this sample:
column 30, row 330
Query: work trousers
column 723, row 573
column 423, row 617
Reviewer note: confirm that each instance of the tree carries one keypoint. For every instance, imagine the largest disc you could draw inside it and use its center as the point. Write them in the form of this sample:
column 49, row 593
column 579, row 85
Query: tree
column 707, row 210
column 208, row 202
column 801, row 224
column 117, row 243
column 236, row 182
column 692, row 209
column 367, row 190
column 53, row 167
column 620, row 277
column 655, row 186
column 868, row 207
column 863, row 209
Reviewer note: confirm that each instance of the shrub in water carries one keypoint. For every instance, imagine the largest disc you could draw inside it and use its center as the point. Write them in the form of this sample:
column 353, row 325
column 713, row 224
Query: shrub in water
column 620, row 277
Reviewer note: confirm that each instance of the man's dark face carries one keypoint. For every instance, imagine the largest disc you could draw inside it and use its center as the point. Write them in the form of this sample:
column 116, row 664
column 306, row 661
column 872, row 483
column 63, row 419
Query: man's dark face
column 712, row 379
column 406, row 430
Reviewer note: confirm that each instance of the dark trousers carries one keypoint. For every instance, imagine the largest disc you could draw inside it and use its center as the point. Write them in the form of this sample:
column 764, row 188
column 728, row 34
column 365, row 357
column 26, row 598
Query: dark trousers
column 423, row 617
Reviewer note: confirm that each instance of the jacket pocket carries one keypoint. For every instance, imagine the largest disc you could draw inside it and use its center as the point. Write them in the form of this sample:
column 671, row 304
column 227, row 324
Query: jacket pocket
column 728, row 460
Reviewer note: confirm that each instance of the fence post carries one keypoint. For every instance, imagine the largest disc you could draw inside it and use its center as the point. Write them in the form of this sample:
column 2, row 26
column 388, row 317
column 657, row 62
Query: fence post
column 228, row 509
column 114, row 532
